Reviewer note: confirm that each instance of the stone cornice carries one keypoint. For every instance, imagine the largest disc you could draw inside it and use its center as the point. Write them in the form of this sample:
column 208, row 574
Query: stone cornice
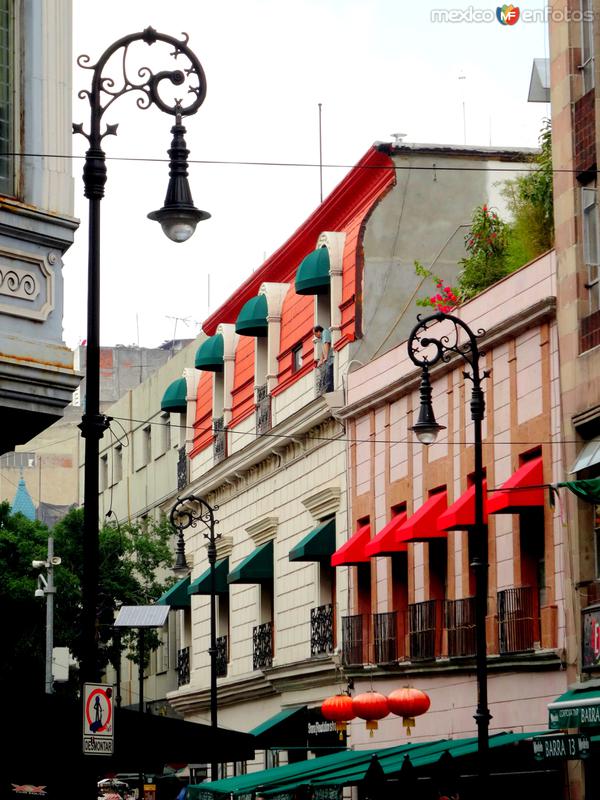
column 324, row 502
column 519, row 323
column 263, row 530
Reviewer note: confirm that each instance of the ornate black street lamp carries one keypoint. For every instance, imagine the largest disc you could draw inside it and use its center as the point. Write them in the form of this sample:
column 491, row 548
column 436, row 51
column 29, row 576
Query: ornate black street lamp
column 178, row 218
column 187, row 513
column 425, row 350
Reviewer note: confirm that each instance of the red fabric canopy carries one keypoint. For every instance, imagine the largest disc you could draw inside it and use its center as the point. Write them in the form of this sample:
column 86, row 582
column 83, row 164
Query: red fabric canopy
column 385, row 544
column 423, row 524
column 524, row 489
column 353, row 551
column 460, row 516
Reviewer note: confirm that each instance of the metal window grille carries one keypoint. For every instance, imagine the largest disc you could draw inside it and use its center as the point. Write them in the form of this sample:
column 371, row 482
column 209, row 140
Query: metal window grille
column 220, row 440
column 182, row 469
column 516, row 623
column 7, row 101
column 460, row 624
column 354, row 640
column 385, row 638
column 183, row 666
column 262, row 649
column 321, row 630
column 263, row 409
column 222, row 656
column 425, row 629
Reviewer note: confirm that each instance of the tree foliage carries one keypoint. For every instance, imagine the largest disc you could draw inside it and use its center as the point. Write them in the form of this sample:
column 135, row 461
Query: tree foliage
column 131, row 559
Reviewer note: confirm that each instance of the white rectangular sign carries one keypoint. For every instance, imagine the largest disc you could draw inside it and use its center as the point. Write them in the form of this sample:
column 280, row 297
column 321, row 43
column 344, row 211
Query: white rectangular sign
column 98, row 721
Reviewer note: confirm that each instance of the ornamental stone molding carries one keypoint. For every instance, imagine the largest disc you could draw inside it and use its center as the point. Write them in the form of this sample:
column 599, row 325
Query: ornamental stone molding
column 324, row 502
column 334, row 242
column 224, row 547
column 27, row 284
column 275, row 294
column 263, row 531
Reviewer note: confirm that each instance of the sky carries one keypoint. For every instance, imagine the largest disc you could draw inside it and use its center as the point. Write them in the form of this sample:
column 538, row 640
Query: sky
column 377, row 67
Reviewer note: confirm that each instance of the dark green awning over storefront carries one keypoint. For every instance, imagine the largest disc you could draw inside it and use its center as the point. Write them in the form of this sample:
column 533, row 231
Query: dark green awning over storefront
column 177, row 596
column 202, row 584
column 256, row 568
column 577, row 708
column 209, row 356
column 312, row 276
column 318, row 545
column 252, row 319
column 175, row 397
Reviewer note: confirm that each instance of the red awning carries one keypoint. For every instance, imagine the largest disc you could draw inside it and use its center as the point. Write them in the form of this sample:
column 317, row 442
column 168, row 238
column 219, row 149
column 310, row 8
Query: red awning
column 524, row 489
column 385, row 544
column 423, row 524
column 353, row 551
column 460, row 516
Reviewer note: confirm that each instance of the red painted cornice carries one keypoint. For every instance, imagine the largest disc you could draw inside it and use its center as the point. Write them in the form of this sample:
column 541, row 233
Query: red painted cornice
column 361, row 187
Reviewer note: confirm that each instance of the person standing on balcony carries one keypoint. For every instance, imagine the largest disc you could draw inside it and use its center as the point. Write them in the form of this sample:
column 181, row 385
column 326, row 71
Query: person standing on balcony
column 323, row 335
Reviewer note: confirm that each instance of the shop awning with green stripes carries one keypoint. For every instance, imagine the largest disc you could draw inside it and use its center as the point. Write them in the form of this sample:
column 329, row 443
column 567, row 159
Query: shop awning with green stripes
column 175, row 397
column 177, row 596
column 577, row 708
column 318, row 545
column 252, row 319
column 312, row 276
column 209, row 356
column 202, row 584
column 287, row 727
column 255, row 568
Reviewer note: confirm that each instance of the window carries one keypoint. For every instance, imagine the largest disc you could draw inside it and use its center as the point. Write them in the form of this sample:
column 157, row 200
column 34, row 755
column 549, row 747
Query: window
column 587, row 45
column 118, row 463
column 162, row 651
column 103, row 472
column 166, row 432
column 597, row 538
column 146, row 444
column 591, row 248
column 297, row 357
column 7, row 100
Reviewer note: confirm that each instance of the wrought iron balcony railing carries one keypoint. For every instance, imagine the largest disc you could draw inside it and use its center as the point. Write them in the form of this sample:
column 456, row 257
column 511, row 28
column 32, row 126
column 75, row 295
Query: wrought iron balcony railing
column 355, row 639
column 323, row 379
column 460, row 624
column 425, row 629
column 517, row 621
column 220, row 440
column 321, row 630
column 385, row 637
column 263, row 409
column 182, row 469
column 183, row 666
column 262, row 646
column 222, row 656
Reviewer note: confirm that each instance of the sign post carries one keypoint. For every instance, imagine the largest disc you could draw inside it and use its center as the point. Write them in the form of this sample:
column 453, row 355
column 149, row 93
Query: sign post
column 98, row 727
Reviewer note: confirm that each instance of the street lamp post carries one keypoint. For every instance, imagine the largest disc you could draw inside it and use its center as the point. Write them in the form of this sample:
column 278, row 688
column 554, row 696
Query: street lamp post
column 187, row 513
column 178, row 218
column 426, row 347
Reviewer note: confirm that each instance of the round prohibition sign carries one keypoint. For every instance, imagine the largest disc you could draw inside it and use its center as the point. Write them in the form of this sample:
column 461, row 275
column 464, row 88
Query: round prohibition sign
column 97, row 695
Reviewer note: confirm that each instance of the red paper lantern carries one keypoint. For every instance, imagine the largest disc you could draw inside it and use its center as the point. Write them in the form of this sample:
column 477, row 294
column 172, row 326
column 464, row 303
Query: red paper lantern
column 370, row 706
column 408, row 703
column 338, row 709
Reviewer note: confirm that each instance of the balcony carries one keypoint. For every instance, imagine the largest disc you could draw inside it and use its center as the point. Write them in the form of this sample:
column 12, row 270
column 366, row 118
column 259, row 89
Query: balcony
column 220, row 440
column 263, row 409
column 321, row 630
column 354, row 639
column 517, row 622
column 460, row 625
column 323, row 379
column 183, row 666
column 385, row 637
column 262, row 646
column 425, row 629
column 222, row 656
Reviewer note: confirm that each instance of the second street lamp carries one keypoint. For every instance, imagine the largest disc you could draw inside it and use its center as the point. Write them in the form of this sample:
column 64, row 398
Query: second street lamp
column 178, row 218
column 432, row 341
column 187, row 513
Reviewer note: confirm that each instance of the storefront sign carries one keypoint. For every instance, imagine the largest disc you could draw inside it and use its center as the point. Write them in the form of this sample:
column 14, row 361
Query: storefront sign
column 575, row 716
column 565, row 747
column 322, row 733
column 591, row 638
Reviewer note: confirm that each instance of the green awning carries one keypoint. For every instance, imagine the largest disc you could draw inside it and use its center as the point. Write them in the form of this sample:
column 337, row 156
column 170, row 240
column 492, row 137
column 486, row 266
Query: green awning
column 577, row 708
column 175, row 397
column 202, row 584
column 286, row 728
column 177, row 596
column 256, row 568
column 319, row 545
column 312, row 276
column 588, row 490
column 209, row 356
column 252, row 319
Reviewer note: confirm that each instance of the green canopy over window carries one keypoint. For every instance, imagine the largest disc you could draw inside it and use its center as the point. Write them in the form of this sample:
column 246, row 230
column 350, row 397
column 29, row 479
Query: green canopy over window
column 177, row 596
column 588, row 490
column 252, row 319
column 319, row 545
column 209, row 355
column 256, row 568
column 175, row 397
column 202, row 584
column 312, row 276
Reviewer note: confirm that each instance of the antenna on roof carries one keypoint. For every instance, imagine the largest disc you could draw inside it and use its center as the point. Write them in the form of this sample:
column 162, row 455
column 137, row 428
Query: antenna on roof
column 463, row 77
column 320, row 155
column 398, row 139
